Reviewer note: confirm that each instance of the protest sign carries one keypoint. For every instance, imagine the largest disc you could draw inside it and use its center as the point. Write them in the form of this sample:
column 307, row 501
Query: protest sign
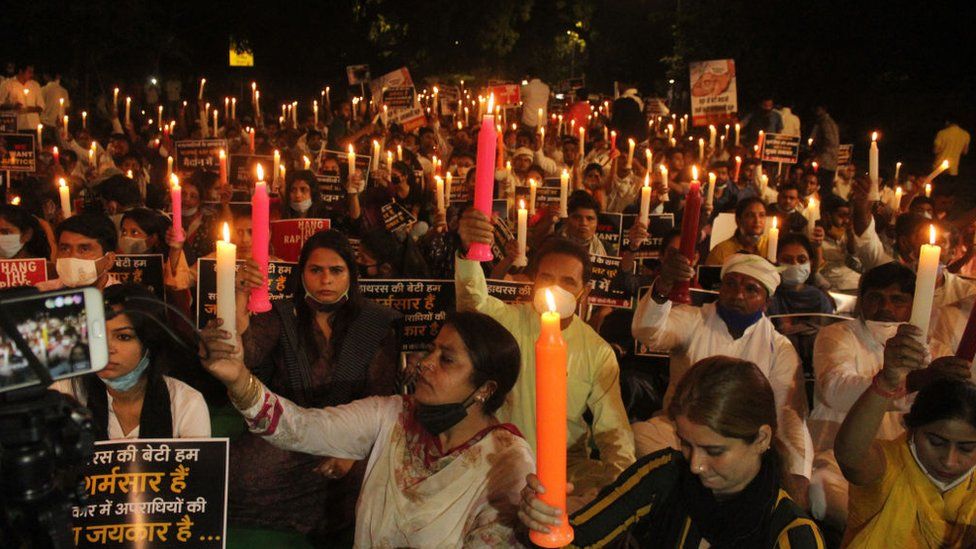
column 655, row 106
column 17, row 152
column 844, row 154
column 395, row 79
column 357, row 74
column 609, row 227
column 289, row 235
column 336, row 162
column 503, row 235
column 8, row 122
column 409, row 119
column 242, row 171
column 659, row 226
column 193, row 154
column 781, row 148
column 399, row 97
column 331, row 189
column 713, row 91
column 143, row 269
column 206, row 298
column 510, row 291
column 448, row 97
column 604, row 270
column 506, row 95
column 459, row 191
column 396, row 217
column 240, row 54
column 154, row 493
column 22, row 272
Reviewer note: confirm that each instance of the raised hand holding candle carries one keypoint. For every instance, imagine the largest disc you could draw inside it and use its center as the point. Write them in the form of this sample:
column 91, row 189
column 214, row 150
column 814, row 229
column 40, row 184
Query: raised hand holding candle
column 773, row 241
column 925, row 280
column 259, row 301
column 550, row 400
column 645, row 202
column 176, row 199
column 564, row 193
column 65, row 193
column 484, row 187
column 874, row 193
column 226, row 271
column 521, row 260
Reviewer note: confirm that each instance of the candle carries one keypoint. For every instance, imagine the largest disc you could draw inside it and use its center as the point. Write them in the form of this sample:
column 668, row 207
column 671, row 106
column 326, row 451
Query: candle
column 84, row 119
column 57, row 157
column 160, row 117
column 721, row 142
column 582, row 142
column 222, row 155
column 169, row 167
column 670, row 131
column 816, row 167
column 226, row 299
column 648, row 158
column 701, row 149
column 928, row 190
column 65, row 198
column 532, row 191
column 294, row 113
column 645, row 202
column 439, row 192
column 448, row 185
column 233, row 108
column 128, row 109
column 666, row 184
column 259, row 301
column 760, row 143
column 737, row 128
column 276, row 162
column 521, row 260
column 813, row 214
column 897, row 170
column 563, row 193
column 935, row 173
column 251, row 137
column 399, row 153
column 176, row 199
column 613, row 139
column 550, row 377
column 93, row 156
column 725, row 134
column 772, row 241
column 64, row 124
column 115, row 98
column 128, row 173
column 215, row 127
column 689, row 237
column 896, row 205
column 710, row 196
column 712, row 133
column 202, row 82
column 281, row 179
column 40, row 139
column 226, row 107
column 389, row 160
column 873, row 194
column 925, row 279
column 630, row 152
column 315, row 111
column 257, row 105
column 484, row 188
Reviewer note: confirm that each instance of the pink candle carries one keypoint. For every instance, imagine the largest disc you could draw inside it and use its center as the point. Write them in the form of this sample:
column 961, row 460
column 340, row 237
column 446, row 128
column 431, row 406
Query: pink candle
column 260, row 239
column 176, row 197
column 484, row 186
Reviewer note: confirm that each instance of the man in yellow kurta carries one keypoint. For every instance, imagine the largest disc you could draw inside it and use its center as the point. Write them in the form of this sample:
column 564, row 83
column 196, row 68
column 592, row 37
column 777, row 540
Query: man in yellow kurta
column 594, row 376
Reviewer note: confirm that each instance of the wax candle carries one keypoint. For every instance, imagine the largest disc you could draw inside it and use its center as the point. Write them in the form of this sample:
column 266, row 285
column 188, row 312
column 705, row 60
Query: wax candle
column 176, row 199
column 630, row 152
column 128, row 110
column 389, row 160
column 928, row 190
column 226, row 107
column 215, row 126
column 375, row 162
column 564, row 193
column 233, row 108
column 813, row 214
column 816, row 167
column 259, row 301
column 689, row 237
column 925, row 279
column 64, row 124
column 521, row 260
column 710, row 196
column 896, row 204
column 701, row 149
column 159, row 112
column 226, row 299
column 399, row 153
column 760, row 144
column 257, row 105
column 725, row 134
column 666, row 184
column 484, row 188
column 897, row 170
column 645, row 202
column 582, row 142
column 203, row 81
column 935, row 173
column 738, row 166
column 550, row 400
column 773, row 241
column 613, row 139
column 84, row 119
column 439, row 187
column 57, row 157
column 115, row 98
column 737, row 128
column 294, row 114
column 169, row 167
column 65, row 193
column 532, row 192
column 874, row 192
column 712, row 133
column 40, row 138
column 222, row 155
column 276, row 161
column 670, row 131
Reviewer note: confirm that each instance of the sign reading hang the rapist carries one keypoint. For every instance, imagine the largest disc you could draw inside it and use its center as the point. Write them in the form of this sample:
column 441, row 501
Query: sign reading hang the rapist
column 289, row 235
column 154, row 493
column 206, row 298
column 22, row 272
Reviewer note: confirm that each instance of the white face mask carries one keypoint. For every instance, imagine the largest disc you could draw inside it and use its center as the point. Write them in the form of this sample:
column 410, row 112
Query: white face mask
column 794, row 275
column 190, row 212
column 942, row 485
column 75, row 272
column 882, row 331
column 10, row 245
column 302, row 206
column 565, row 301
column 133, row 245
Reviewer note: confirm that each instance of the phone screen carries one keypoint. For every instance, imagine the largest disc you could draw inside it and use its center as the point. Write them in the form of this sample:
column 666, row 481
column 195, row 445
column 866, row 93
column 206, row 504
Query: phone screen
column 56, row 328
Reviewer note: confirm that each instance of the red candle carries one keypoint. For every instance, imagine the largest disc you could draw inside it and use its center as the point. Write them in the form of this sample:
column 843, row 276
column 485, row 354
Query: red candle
column 967, row 346
column 223, row 167
column 259, row 301
column 550, row 419
column 689, row 238
column 484, row 186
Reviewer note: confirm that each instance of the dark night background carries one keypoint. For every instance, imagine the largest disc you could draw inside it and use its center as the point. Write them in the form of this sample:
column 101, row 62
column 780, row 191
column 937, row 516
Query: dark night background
column 894, row 66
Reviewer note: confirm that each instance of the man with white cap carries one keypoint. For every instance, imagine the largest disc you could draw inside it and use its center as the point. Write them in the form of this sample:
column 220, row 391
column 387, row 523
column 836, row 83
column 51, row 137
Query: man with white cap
column 734, row 326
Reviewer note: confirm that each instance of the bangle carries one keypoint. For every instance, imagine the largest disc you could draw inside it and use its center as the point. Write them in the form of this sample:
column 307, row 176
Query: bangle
column 880, row 391
column 248, row 396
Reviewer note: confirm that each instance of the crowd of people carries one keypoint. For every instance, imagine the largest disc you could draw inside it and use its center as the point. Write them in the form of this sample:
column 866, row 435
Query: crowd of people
column 796, row 406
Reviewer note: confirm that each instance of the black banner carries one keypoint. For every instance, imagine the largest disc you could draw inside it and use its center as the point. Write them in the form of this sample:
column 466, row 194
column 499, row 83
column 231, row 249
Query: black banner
column 659, row 227
column 144, row 269
column 604, row 270
column 396, row 217
column 206, row 299
column 242, row 169
column 17, row 152
column 194, row 154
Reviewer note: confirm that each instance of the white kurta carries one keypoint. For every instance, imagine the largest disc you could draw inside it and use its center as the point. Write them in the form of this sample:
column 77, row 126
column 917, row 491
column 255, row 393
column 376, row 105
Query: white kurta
column 409, row 497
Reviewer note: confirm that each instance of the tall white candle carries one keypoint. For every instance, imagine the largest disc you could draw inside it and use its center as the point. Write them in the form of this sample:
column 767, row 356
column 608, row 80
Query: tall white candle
column 521, row 260
column 665, row 194
column 439, row 186
column 813, row 214
column 582, row 142
column 630, row 152
column 169, row 167
column 128, row 110
column 712, row 132
column 645, row 202
column 874, row 193
column 896, row 203
column 772, row 242
column 448, row 184
column 564, row 193
column 532, row 191
column 202, row 82
column 275, row 161
column 226, row 300
column 40, row 138
column 215, row 126
column 233, row 108
column 701, row 149
column 925, row 279
column 65, row 198
column 935, row 173
column 710, row 196
column 897, row 171
column 351, row 158
column 737, row 128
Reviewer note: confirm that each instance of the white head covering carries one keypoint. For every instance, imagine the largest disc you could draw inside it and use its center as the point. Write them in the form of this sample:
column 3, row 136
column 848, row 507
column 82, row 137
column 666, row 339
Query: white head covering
column 755, row 266
column 523, row 151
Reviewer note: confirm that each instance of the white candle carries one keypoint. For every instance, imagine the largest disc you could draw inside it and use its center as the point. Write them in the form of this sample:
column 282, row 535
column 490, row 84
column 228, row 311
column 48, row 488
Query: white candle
column 630, row 152
column 701, row 149
column 925, row 279
column 896, row 204
column 532, row 192
column 813, row 214
column 439, row 192
column 897, row 171
column 737, row 127
column 710, row 197
column 399, row 153
column 874, row 193
column 160, row 117
column 65, row 198
column 521, row 260
column 935, row 173
column 226, row 300
column 215, row 127
column 169, row 167
column 645, row 203
column 84, row 119
column 276, row 161
column 564, row 193
column 665, row 194
column 315, row 111
column 648, row 158
column 128, row 109
column 115, row 98
column 772, row 242
column 61, row 106
column 712, row 132
column 351, row 158
column 233, row 108
column 389, row 160
column 582, row 142
column 202, row 82
column 40, row 139
column 928, row 190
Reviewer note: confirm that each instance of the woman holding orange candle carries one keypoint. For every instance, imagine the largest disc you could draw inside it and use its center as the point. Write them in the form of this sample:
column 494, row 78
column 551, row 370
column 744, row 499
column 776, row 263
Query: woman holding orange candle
column 722, row 489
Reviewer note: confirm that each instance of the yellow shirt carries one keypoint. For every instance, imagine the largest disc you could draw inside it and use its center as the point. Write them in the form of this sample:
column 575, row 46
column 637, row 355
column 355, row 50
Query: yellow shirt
column 905, row 509
column 951, row 143
column 729, row 247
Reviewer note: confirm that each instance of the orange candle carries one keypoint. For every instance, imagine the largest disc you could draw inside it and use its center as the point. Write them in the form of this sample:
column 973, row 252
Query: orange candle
column 550, row 418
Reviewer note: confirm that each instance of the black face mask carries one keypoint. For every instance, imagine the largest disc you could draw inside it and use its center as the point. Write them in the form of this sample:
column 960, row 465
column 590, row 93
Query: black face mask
column 437, row 418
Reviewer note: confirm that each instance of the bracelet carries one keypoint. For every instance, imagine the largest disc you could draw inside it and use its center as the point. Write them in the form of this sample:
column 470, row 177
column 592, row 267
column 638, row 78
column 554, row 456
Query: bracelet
column 248, row 396
column 880, row 391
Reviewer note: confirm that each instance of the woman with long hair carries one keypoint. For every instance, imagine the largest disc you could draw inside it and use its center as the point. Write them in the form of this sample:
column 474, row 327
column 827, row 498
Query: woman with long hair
column 723, row 487
column 21, row 235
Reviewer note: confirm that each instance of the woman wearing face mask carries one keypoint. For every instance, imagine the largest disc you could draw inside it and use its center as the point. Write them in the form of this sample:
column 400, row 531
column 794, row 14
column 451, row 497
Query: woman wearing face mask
column 143, row 231
column 21, row 235
column 796, row 294
column 443, row 472
column 302, row 196
column 324, row 347
column 915, row 490
column 131, row 398
column 723, row 489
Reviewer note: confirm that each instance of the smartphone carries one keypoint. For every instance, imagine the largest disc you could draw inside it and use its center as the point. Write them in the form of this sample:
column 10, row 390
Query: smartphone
column 65, row 329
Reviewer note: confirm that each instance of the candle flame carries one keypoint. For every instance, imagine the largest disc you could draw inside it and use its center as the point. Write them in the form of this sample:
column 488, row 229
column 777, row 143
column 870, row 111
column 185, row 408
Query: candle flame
column 352, row 151
column 491, row 103
column 260, row 172
column 738, row 159
column 874, row 136
column 694, row 173
column 521, row 203
column 775, row 222
column 62, row 182
column 226, row 232
column 174, row 181
column 812, row 202
column 932, row 234
column 222, row 154
column 647, row 179
column 944, row 165
column 613, row 134
column 897, row 164
column 15, row 201
column 630, row 141
column 550, row 301
column 531, row 182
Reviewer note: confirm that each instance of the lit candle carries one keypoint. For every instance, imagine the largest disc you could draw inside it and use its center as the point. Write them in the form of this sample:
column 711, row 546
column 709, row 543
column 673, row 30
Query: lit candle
column 645, row 203
column 233, row 108
column 294, row 113
column 897, row 170
column 169, row 167
column 712, row 133
column 276, row 161
column 613, row 139
column 810, row 143
column 928, row 190
column 737, row 128
column 128, row 110
column 925, row 279
column 760, row 144
column 281, row 179
column 259, row 301
column 215, row 127
column 439, row 192
column 874, row 192
column 630, row 152
column 257, row 104
column 115, row 98
column 550, row 377
column 648, row 158
column 582, row 142
column 64, row 124
column 689, row 237
column 772, row 241
column 399, row 153
column 813, row 214
column 351, row 160
column 521, row 260
column 84, row 119
column 226, row 299
column 65, row 198
column 40, row 140
column 448, row 186
column 710, row 196
column 701, row 149
column 389, row 160
column 226, row 108
column 666, row 184
column 315, row 112
column 541, row 119
column 57, row 157
column 128, row 173
column 935, row 173
column 160, row 117
column 176, row 199
column 202, row 82
column 222, row 155
column 484, row 188
column 816, row 167
column 896, row 205
column 532, row 192
column 564, row 193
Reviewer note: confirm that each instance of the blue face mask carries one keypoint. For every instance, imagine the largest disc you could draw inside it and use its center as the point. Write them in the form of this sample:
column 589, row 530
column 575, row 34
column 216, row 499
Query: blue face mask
column 736, row 321
column 127, row 381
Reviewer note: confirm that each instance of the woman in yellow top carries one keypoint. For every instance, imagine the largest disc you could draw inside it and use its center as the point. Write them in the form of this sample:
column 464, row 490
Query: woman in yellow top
column 918, row 490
